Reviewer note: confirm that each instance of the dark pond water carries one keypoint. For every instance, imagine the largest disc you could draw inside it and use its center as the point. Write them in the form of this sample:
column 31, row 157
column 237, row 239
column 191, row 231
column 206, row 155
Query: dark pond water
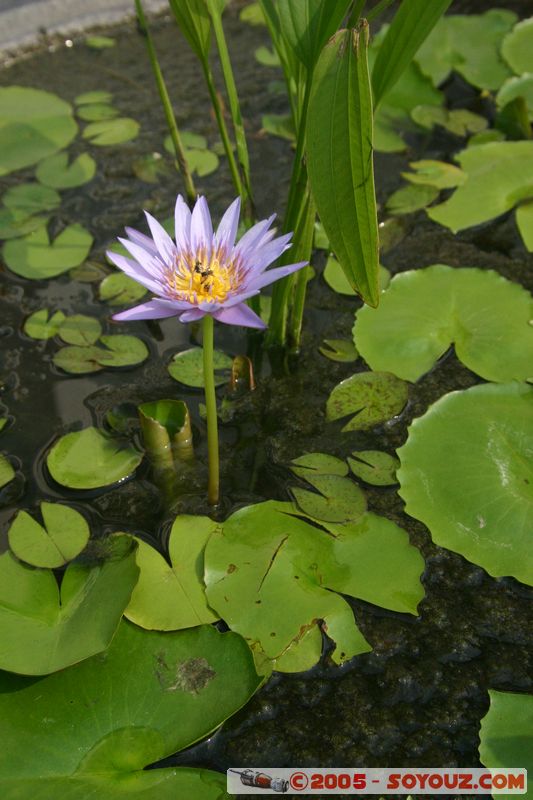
column 418, row 697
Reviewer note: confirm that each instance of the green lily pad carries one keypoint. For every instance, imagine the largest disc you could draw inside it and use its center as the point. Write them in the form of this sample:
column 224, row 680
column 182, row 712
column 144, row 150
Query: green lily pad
column 189, row 139
column 271, row 576
column 7, row 473
column 122, row 351
column 119, row 289
column 40, row 325
column 63, row 536
column 33, row 125
column 88, row 272
column 460, row 122
column 337, row 280
column 524, row 222
column 373, row 397
column 150, row 168
column 111, row 131
column 98, row 96
column 339, row 350
column 424, row 311
column 491, row 135
column 100, row 42
column 149, row 696
column 517, row 86
column 506, row 735
column 119, row 351
column 466, row 473
column 267, row 57
column 187, row 367
column 36, row 258
column 340, row 499
column 435, row 173
column 412, row 198
column 374, row 467
column 45, row 628
column 31, row 198
column 202, row 162
column 318, row 464
column 320, row 240
column 80, row 329
column 56, row 171
column 517, row 47
column 169, row 597
column 79, row 360
column 280, row 125
column 95, row 112
column 252, row 14
column 15, row 222
column 88, row 459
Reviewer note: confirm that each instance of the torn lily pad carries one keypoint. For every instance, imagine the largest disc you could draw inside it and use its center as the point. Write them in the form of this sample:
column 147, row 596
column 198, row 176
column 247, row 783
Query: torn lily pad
column 372, row 397
column 187, row 367
column 506, row 734
column 374, row 467
column 37, row 258
column 57, row 172
column 62, row 537
column 425, row 311
column 40, row 325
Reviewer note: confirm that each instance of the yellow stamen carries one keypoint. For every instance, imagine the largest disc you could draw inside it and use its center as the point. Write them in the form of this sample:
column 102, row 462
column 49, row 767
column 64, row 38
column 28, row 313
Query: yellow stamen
column 199, row 279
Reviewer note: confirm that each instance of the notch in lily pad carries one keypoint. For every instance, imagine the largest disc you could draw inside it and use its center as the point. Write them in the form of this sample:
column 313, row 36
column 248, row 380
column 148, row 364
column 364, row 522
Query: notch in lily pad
column 62, row 536
column 43, row 325
column 37, row 258
column 371, row 397
column 374, row 467
column 187, row 367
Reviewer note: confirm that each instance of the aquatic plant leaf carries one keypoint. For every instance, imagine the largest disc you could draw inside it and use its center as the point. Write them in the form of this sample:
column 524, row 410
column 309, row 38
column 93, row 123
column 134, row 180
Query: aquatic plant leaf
column 80, row 329
column 7, row 473
column 318, row 464
column 340, row 499
column 98, row 96
column 62, row 537
column 373, row 397
column 189, row 139
column 517, row 47
column 78, row 359
column 308, row 24
column 412, row 24
column 31, row 198
column 33, row 125
column 435, row 173
column 280, row 125
column 517, row 87
column 122, row 351
column 506, row 734
column 150, row 695
column 411, row 198
column 150, row 168
column 36, row 258
column 15, row 222
column 339, row 131
column 194, row 22
column 40, row 325
column 466, row 473
column 187, row 367
column 267, row 57
column 111, row 131
column 119, row 289
column 56, row 171
column 202, row 162
column 303, row 653
column 45, row 628
column 339, row 350
column 100, row 42
column 88, row 459
column 88, row 272
column 459, row 121
column 424, row 311
column 166, row 432
column 169, row 597
column 95, row 112
column 374, row 467
column 524, row 222
column 252, row 14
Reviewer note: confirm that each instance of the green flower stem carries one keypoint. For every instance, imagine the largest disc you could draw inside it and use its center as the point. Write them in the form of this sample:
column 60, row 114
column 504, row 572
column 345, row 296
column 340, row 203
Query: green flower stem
column 167, row 105
column 213, row 486
column 306, row 229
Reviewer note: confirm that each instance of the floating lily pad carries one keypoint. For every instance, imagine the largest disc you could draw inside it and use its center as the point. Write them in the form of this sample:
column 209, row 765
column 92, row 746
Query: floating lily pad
column 202, row 162
column 45, row 628
column 340, row 499
column 373, row 397
column 517, row 47
column 80, row 329
column 252, row 14
column 280, row 125
column 466, row 473
column 435, row 173
column 31, row 198
column 36, row 258
column 111, row 131
column 318, row 464
column 337, row 280
column 506, row 735
column 169, row 597
column 412, row 198
column 88, row 272
column 122, row 351
column 95, row 112
column 150, row 168
column 149, row 696
column 63, row 536
column 78, row 360
column 267, row 57
column 492, row 135
column 7, row 473
column 98, row 96
column 320, row 240
column 33, row 125
column 56, row 171
column 517, row 87
column 524, row 222
column 100, row 42
column 424, row 311
column 119, row 289
column 339, row 350
column 40, row 325
column 187, row 367
column 374, row 467
column 15, row 222
column 88, row 459
column 460, row 122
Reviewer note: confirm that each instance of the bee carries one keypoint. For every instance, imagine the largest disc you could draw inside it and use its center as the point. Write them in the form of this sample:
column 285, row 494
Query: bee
column 204, row 272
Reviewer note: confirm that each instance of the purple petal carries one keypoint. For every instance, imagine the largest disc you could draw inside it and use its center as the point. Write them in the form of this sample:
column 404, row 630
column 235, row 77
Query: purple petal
column 142, row 240
column 193, row 315
column 239, row 315
column 152, row 265
column 182, row 219
column 273, row 275
column 253, row 236
column 227, row 230
column 163, row 242
column 201, row 227
column 153, row 309
column 134, row 270
column 263, row 256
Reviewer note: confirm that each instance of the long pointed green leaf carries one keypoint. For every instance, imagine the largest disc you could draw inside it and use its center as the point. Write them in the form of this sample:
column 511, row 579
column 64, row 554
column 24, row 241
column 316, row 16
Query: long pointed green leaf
column 193, row 19
column 413, row 22
column 339, row 158
column 308, row 24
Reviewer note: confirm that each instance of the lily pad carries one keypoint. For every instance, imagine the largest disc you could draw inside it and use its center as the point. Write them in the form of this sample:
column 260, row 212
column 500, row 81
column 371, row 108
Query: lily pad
column 373, row 397
column 150, row 695
column 517, row 47
column 79, row 360
column 33, row 125
column 466, row 473
column 100, row 42
column 412, row 198
column 56, row 171
column 424, row 311
column 252, row 14
column 435, row 173
column 111, row 131
column 80, row 329
column 171, row 596
column 40, row 325
column 31, row 198
column 340, row 499
column 7, row 473
column 202, row 162
column 122, row 351
column 460, row 122
column 15, row 222
column 95, row 112
column 339, row 350
column 267, row 57
column 187, row 367
column 337, row 280
column 150, row 168
column 119, row 289
column 517, row 86
column 524, row 222
column 318, row 464
column 36, row 258
column 98, row 96
column 374, row 467
column 63, row 536
column 45, row 628
column 507, row 734
column 88, row 459
column 280, row 125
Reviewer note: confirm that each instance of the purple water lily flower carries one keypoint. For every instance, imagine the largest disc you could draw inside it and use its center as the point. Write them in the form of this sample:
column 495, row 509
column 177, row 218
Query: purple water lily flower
column 202, row 272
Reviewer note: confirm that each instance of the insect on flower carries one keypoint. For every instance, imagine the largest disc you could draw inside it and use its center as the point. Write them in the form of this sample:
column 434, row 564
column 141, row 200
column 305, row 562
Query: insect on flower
column 202, row 271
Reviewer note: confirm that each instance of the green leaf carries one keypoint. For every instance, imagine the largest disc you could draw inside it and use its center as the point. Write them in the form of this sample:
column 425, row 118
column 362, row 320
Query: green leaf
column 339, row 350
column 190, row 139
column 507, row 735
column 80, row 329
column 280, row 125
column 424, row 311
column 412, row 24
column 31, row 198
column 340, row 132
column 266, row 57
column 460, row 121
column 88, row 459
column 374, row 467
column 111, row 131
column 373, row 397
column 55, row 171
column 98, row 96
column 44, row 628
column 122, row 351
column 171, row 596
column 517, row 87
column 33, row 125
column 64, row 535
column 194, row 22
column 337, row 280
column 40, row 325
column 517, row 47
column 150, row 168
column 340, row 499
column 7, row 473
column 166, row 433
column 524, row 222
column 187, row 367
column 412, row 198
column 16, row 222
column 252, row 14
column 435, row 173
column 100, row 42
column 36, row 258
column 78, row 360
column 119, row 289
column 149, row 696
column 88, row 272
column 466, row 467
column 318, row 464
column 95, row 112
column 308, row 24
column 203, row 162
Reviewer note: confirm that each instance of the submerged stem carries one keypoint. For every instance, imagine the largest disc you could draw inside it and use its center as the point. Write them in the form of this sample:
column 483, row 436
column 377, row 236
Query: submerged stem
column 213, row 487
